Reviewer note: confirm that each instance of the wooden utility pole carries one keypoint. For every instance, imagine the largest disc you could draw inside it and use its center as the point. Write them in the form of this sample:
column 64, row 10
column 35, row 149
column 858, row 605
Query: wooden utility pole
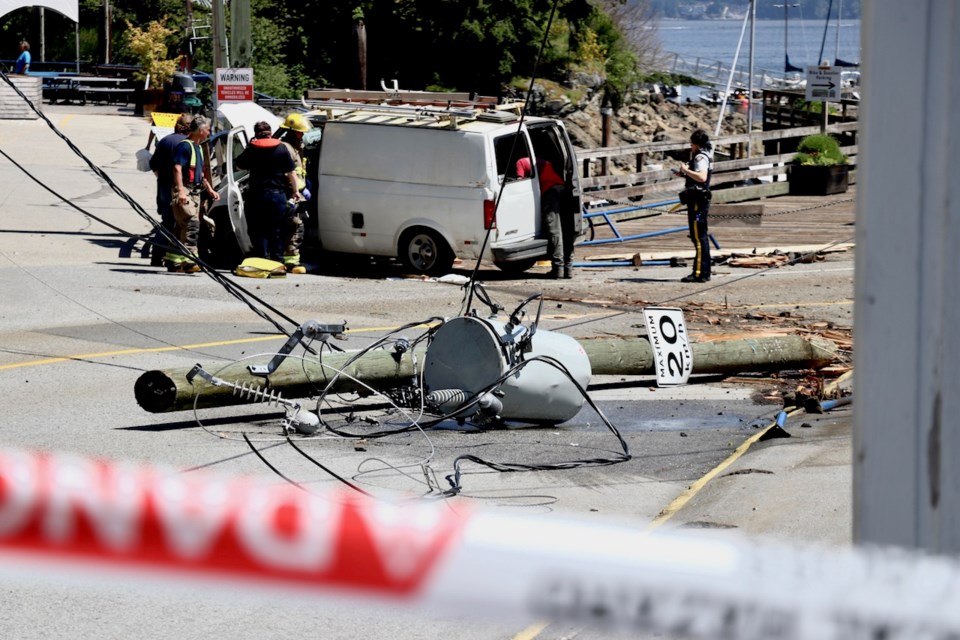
column 241, row 53
column 360, row 37
column 220, row 50
column 162, row 391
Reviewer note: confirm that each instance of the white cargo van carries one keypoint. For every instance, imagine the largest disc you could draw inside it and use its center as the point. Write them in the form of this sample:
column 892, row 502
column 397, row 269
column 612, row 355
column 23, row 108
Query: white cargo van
column 426, row 184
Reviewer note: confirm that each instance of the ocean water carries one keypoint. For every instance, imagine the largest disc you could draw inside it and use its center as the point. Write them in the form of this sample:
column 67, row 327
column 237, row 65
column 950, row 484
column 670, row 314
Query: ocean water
column 716, row 41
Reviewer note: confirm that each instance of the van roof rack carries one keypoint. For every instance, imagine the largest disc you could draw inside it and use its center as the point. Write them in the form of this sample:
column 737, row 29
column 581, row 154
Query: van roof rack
column 410, row 115
column 397, row 97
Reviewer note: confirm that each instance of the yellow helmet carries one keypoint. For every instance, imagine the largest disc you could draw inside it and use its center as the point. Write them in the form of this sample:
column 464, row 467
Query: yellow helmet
column 297, row 122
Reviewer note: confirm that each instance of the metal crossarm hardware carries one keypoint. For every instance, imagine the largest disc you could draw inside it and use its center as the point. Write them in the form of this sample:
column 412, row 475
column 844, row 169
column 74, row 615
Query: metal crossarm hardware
column 311, row 330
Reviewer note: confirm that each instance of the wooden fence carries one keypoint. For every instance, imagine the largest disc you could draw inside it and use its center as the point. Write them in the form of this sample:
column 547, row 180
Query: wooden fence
column 736, row 177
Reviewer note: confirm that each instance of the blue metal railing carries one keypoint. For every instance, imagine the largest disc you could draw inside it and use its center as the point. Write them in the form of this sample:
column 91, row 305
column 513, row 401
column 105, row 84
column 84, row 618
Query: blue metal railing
column 618, row 238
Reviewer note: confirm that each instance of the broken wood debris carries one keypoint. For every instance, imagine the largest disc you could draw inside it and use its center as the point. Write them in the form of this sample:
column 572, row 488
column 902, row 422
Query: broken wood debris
column 678, row 258
column 757, row 262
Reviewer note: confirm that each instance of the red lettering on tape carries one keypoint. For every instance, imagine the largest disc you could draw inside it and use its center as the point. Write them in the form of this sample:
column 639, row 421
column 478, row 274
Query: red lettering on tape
column 122, row 514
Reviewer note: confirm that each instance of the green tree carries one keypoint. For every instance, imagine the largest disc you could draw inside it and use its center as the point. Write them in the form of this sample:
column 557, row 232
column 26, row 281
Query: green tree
column 469, row 46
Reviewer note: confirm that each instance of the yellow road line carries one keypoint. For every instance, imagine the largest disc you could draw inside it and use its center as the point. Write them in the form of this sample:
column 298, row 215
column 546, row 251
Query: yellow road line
column 671, row 509
column 202, row 345
column 532, row 631
column 681, row 501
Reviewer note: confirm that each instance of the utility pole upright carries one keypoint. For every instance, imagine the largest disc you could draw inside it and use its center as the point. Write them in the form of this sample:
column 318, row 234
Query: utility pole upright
column 240, row 33
column 220, row 57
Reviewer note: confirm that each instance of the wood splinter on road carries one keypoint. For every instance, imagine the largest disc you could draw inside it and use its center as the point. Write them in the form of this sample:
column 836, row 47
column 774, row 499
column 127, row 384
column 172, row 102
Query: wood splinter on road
column 166, row 390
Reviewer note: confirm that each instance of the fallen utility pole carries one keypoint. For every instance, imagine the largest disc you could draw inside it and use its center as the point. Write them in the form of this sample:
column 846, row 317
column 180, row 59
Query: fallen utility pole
column 162, row 391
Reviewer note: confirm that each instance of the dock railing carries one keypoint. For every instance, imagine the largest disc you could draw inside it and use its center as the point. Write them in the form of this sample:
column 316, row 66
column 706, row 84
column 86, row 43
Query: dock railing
column 716, row 72
column 736, row 176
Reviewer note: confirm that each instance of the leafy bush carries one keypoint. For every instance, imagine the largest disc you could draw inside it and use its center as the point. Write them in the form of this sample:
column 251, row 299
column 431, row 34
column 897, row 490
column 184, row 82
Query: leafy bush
column 149, row 48
column 819, row 150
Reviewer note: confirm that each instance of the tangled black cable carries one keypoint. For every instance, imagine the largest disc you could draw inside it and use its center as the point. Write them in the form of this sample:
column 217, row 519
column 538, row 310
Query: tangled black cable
column 62, row 198
column 360, row 354
column 510, row 467
column 324, row 468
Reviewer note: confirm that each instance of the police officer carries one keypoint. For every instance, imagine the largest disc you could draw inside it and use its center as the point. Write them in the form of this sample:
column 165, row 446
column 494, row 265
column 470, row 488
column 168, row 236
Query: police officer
column 697, row 194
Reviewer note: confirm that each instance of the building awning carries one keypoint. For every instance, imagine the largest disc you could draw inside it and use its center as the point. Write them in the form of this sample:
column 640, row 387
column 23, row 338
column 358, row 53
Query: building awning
column 69, row 8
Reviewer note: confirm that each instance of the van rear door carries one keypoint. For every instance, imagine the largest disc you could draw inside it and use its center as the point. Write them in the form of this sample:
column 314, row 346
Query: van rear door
column 518, row 211
column 550, row 142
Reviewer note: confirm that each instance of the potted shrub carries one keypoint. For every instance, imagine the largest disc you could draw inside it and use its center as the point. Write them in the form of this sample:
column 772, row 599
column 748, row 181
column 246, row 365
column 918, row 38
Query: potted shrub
column 819, row 168
column 149, row 48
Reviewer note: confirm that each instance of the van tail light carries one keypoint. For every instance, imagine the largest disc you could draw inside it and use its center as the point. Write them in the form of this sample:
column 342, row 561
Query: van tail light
column 489, row 214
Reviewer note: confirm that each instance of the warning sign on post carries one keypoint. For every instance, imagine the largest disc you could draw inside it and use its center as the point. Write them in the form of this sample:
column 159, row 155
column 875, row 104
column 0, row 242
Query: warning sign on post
column 234, row 85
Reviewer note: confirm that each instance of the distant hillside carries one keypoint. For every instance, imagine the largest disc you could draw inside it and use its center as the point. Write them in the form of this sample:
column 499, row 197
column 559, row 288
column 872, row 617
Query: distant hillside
column 708, row 9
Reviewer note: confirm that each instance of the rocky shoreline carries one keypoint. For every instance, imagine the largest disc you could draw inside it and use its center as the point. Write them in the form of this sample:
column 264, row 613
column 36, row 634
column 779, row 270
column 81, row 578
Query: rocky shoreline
column 648, row 117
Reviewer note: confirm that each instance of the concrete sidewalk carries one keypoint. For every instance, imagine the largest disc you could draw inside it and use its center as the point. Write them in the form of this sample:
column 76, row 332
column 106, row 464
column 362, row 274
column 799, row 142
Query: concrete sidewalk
column 794, row 490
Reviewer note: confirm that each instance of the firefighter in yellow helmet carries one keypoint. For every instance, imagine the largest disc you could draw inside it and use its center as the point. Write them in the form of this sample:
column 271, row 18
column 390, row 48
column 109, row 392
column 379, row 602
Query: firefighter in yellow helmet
column 291, row 134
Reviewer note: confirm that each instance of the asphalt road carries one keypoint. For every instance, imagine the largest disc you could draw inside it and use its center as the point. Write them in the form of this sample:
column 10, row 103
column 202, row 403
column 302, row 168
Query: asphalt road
column 78, row 325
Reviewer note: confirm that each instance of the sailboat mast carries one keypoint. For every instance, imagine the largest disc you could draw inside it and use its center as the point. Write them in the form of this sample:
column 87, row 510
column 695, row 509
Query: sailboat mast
column 836, row 55
column 787, row 67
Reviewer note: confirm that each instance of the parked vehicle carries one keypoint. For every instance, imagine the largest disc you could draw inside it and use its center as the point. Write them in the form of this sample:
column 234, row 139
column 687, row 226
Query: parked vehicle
column 424, row 185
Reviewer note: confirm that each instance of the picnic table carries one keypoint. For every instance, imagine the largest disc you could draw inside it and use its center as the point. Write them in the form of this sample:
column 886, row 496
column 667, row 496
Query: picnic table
column 69, row 88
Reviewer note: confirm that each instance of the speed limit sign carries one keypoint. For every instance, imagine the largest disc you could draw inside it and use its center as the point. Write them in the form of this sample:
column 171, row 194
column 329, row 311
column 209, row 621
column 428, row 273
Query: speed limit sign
column 672, row 358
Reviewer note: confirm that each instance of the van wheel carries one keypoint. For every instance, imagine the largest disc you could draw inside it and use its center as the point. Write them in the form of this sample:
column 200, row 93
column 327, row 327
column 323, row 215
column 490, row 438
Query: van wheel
column 424, row 251
column 516, row 266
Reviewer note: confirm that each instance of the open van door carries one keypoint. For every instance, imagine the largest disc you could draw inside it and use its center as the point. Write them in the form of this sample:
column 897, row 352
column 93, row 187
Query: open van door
column 551, row 142
column 231, row 240
column 230, row 189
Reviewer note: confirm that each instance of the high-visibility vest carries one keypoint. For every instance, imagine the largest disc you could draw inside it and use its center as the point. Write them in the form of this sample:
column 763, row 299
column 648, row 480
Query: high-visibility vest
column 192, row 169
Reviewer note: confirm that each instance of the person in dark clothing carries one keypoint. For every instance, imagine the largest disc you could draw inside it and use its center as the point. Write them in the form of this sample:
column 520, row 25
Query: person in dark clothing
column 271, row 183
column 558, row 223
column 161, row 162
column 188, row 183
column 697, row 193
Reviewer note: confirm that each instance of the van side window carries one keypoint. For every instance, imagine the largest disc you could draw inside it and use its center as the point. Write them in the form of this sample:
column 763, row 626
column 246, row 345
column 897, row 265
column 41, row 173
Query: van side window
column 508, row 153
column 238, row 145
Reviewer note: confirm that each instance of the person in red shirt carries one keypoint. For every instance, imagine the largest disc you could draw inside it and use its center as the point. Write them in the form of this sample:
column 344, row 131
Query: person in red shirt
column 558, row 223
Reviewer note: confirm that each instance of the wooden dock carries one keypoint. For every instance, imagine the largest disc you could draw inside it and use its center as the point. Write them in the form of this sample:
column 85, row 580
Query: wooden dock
column 787, row 223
